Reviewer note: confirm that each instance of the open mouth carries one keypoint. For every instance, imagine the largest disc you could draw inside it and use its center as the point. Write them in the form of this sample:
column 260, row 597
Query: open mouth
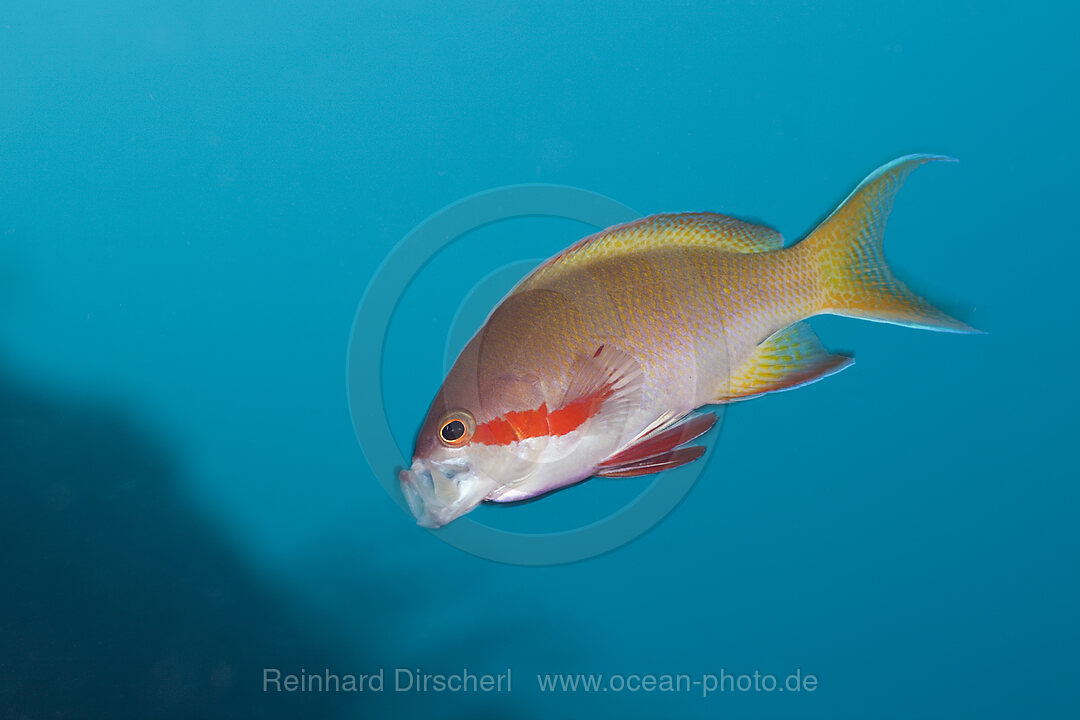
column 417, row 484
column 438, row 494
column 418, row 487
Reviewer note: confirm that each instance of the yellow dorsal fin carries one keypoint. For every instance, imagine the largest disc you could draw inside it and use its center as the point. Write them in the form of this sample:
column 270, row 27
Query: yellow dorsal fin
column 690, row 229
column 710, row 230
column 788, row 359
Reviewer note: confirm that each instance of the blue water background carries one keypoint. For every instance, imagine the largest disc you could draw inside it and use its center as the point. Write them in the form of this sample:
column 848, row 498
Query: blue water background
column 193, row 197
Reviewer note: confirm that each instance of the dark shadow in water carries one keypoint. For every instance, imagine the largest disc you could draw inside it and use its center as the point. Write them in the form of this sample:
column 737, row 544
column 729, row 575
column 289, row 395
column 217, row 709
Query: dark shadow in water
column 117, row 601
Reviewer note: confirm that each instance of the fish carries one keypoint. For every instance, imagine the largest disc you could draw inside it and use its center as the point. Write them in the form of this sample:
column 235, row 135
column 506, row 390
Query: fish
column 602, row 360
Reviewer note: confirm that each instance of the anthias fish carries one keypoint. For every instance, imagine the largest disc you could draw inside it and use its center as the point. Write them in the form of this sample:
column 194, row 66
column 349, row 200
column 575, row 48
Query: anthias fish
column 598, row 361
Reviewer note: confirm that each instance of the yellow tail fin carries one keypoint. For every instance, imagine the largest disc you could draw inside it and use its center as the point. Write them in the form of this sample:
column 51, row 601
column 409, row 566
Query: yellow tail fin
column 847, row 251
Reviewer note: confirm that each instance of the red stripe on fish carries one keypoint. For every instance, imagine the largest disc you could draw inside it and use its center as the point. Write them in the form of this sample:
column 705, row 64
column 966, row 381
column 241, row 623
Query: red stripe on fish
column 571, row 416
column 513, row 426
column 524, row 424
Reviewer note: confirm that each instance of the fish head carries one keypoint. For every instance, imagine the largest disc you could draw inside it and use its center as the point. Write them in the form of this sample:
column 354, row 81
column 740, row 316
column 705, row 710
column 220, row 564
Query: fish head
column 442, row 484
column 521, row 413
column 457, row 464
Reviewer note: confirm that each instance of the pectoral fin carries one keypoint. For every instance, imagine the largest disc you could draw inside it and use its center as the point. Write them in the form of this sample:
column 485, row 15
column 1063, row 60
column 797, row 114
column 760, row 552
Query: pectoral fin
column 788, row 359
column 655, row 464
column 663, row 440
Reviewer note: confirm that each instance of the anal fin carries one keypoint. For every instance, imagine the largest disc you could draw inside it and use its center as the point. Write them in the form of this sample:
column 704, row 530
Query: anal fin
column 788, row 359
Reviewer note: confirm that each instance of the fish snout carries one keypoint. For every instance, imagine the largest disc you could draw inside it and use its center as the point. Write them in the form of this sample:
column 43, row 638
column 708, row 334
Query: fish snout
column 414, row 486
column 418, row 487
column 437, row 495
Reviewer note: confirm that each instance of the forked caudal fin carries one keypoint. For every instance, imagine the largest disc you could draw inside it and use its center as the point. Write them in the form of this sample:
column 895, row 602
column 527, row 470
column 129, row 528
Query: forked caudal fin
column 847, row 252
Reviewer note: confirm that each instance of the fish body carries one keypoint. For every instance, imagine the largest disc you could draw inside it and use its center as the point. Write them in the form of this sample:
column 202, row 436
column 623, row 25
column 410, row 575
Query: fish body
column 596, row 362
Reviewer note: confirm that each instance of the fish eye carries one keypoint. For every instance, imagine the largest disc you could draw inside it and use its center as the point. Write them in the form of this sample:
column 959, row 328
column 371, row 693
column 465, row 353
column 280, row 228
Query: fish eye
column 453, row 431
column 456, row 428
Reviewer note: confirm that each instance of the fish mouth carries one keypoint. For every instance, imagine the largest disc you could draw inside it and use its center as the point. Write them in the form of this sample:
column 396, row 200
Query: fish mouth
column 410, row 488
column 438, row 494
